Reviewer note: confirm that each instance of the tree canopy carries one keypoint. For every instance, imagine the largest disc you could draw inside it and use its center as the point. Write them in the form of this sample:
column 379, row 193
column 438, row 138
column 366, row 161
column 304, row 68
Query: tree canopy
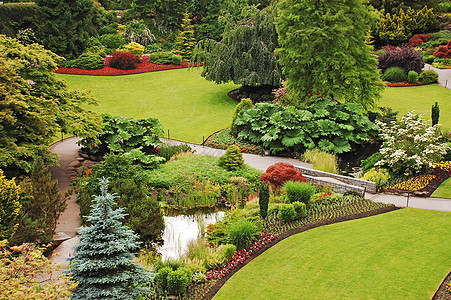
column 35, row 106
column 245, row 54
column 66, row 25
column 323, row 50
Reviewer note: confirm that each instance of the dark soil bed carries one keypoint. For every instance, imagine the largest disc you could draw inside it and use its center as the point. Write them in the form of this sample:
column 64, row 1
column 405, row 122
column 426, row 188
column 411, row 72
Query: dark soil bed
column 443, row 293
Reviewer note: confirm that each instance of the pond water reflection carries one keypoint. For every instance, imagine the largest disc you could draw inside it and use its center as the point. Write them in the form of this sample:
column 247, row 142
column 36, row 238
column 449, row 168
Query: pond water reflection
column 181, row 229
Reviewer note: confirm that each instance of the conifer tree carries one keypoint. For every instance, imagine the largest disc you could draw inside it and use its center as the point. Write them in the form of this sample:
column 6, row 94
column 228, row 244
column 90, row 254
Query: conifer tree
column 232, row 160
column 185, row 39
column 103, row 263
column 9, row 207
column 42, row 204
column 263, row 199
column 323, row 50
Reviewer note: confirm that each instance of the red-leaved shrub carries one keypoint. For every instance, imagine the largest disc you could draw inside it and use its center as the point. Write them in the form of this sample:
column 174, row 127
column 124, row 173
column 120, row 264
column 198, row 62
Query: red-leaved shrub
column 123, row 60
column 280, row 173
column 441, row 51
column 405, row 58
column 419, row 39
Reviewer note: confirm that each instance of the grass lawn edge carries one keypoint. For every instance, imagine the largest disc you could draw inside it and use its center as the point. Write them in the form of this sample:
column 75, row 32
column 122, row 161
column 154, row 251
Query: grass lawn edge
column 217, row 286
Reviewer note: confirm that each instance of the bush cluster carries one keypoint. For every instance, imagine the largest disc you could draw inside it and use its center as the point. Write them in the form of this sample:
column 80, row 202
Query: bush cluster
column 123, row 60
column 232, row 160
column 90, row 61
column 443, row 51
column 135, row 49
column 298, row 191
column 165, row 58
column 428, row 77
column 406, row 58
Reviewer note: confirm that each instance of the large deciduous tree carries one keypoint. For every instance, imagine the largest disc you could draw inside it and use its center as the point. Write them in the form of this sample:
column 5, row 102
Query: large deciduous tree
column 35, row 106
column 323, row 50
column 245, row 54
column 66, row 25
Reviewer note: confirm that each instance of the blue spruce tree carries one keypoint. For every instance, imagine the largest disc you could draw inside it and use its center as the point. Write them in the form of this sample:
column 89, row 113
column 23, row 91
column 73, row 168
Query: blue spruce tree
column 102, row 264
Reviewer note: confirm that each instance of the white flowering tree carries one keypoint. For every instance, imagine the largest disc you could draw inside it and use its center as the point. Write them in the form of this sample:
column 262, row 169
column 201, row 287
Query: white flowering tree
column 410, row 146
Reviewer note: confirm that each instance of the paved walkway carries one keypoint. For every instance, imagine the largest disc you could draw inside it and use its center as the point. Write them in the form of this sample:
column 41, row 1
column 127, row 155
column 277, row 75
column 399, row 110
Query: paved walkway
column 69, row 221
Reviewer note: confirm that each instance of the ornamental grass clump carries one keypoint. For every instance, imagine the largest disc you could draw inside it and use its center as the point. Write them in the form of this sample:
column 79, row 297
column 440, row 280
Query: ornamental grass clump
column 298, row 191
column 242, row 233
column 394, row 74
column 410, row 146
column 321, row 160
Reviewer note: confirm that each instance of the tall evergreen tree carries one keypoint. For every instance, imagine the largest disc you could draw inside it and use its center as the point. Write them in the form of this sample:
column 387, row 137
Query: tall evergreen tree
column 103, row 263
column 245, row 55
column 185, row 39
column 66, row 25
column 42, row 204
column 323, row 50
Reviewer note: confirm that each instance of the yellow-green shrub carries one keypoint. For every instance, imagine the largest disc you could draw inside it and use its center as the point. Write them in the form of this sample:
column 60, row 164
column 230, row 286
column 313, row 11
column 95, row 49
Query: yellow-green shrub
column 379, row 176
column 135, row 48
column 321, row 160
column 9, row 207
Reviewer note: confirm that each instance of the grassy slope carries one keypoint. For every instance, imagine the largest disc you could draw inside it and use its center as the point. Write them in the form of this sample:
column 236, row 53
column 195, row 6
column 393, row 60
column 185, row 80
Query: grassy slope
column 420, row 99
column 444, row 190
column 403, row 254
column 188, row 105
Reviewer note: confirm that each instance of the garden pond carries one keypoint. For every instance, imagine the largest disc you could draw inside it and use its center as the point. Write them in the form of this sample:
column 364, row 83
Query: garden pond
column 182, row 228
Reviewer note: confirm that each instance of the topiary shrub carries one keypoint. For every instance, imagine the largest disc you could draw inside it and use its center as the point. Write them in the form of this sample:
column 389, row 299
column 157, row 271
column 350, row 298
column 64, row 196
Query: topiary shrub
column 135, row 49
column 90, row 61
column 286, row 213
column 244, row 104
column 123, row 60
column 441, row 52
column 394, row 74
column 263, row 199
column 429, row 59
column 428, row 77
column 298, row 191
column 232, row 160
column 281, row 172
column 412, row 77
column 242, row 233
column 419, row 39
column 165, row 58
column 406, row 58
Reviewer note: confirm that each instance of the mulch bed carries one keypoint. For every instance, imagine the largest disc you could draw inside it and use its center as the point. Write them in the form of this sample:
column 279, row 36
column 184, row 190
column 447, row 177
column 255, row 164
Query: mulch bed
column 443, row 293
column 218, row 284
column 143, row 67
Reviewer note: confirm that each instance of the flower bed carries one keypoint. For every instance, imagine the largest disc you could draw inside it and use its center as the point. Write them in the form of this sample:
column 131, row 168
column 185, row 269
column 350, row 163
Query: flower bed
column 144, row 67
column 330, row 210
column 403, row 83
column 223, row 139
column 415, row 183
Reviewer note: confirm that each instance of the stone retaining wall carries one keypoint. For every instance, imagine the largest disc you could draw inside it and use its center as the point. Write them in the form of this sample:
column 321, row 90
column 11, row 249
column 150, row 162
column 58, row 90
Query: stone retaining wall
column 337, row 187
column 369, row 186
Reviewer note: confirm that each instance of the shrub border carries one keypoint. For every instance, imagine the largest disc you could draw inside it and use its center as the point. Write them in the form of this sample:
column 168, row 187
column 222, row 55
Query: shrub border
column 218, row 284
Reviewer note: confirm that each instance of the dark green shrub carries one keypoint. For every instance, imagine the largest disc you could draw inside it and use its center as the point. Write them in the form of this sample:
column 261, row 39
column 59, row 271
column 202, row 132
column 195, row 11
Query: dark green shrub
column 69, row 63
column 161, row 278
column 165, row 58
column 435, row 113
column 263, row 199
column 286, row 213
column 297, row 191
column 109, row 29
column 369, row 163
column 112, row 41
column 242, row 233
column 232, row 160
column 90, row 61
column 428, row 77
column 178, row 281
column 301, row 209
column 394, row 74
column 412, row 77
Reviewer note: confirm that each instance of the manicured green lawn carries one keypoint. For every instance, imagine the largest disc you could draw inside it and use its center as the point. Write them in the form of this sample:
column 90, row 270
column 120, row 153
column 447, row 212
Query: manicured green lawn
column 403, row 254
column 420, row 99
column 185, row 103
column 444, row 190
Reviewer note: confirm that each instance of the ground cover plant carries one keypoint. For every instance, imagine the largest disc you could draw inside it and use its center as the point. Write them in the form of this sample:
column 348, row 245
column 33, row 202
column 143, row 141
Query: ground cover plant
column 361, row 258
column 191, row 181
column 185, row 103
